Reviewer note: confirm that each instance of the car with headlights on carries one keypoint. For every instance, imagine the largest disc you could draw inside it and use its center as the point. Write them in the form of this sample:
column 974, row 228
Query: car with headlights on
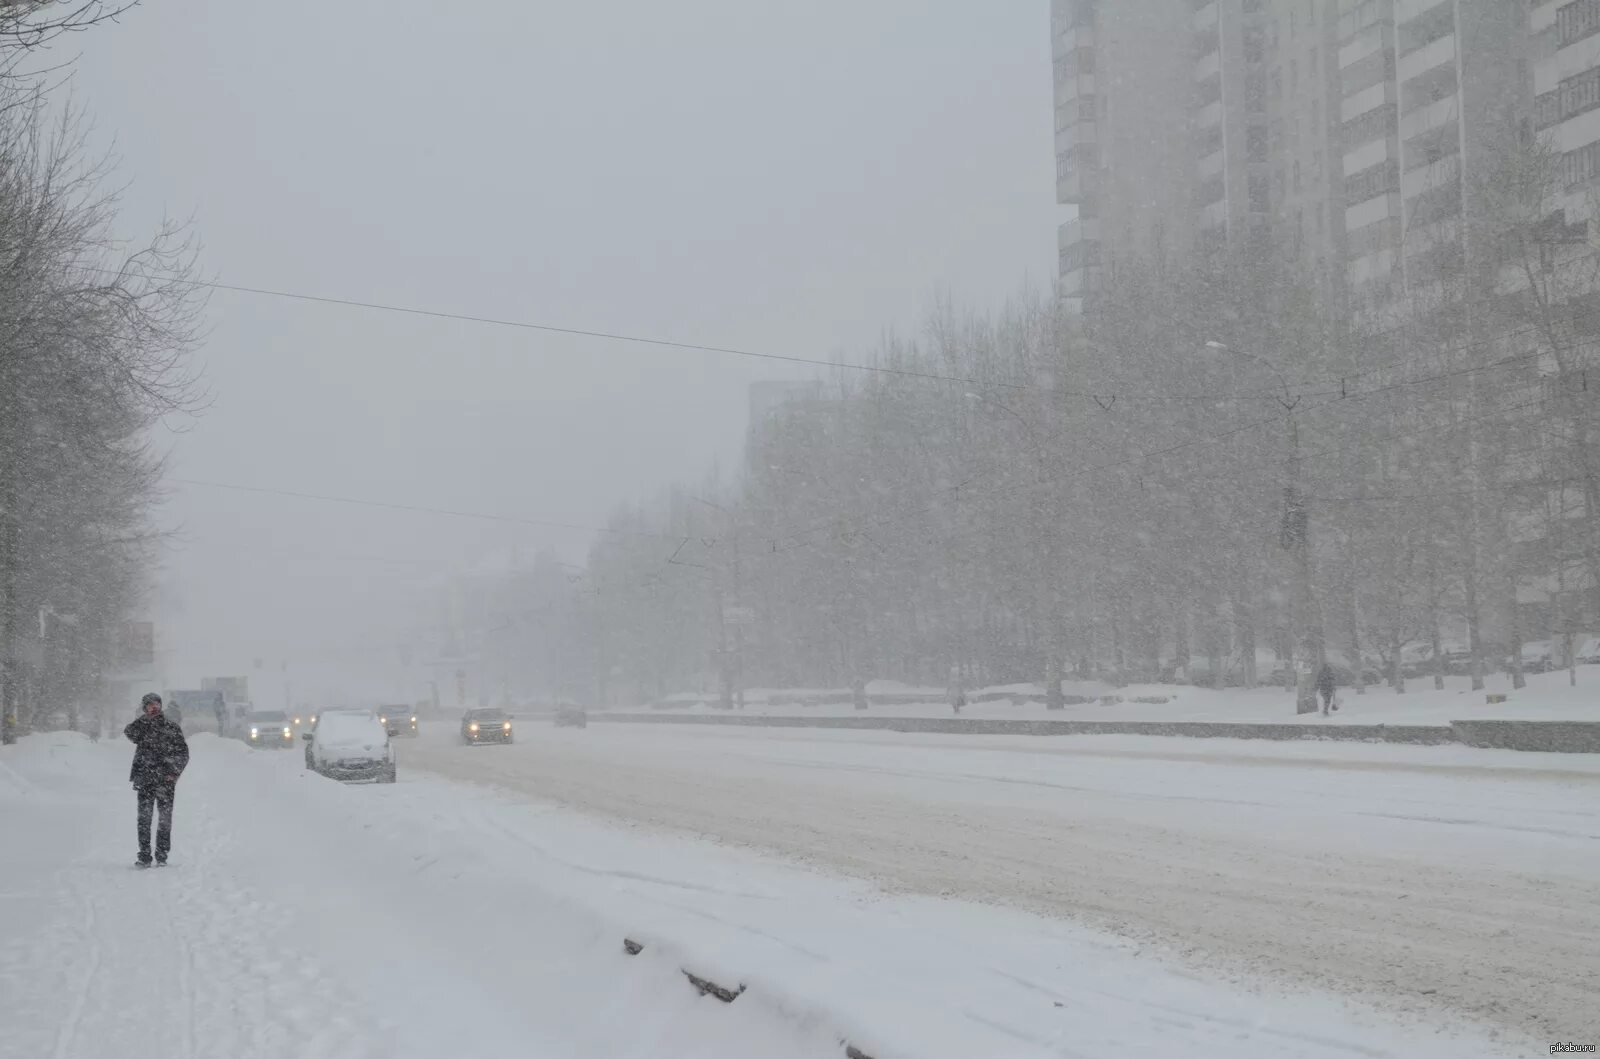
column 487, row 725
column 398, row 720
column 268, row 728
column 352, row 748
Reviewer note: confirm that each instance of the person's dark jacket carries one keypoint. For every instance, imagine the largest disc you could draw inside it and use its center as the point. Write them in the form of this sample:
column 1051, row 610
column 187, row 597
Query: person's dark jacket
column 161, row 752
column 1325, row 678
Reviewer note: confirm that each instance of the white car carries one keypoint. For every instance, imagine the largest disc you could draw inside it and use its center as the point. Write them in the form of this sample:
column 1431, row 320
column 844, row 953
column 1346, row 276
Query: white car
column 1539, row 656
column 352, row 747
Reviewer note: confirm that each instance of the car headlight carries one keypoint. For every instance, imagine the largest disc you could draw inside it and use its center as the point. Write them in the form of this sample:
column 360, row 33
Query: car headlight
column 413, row 720
column 287, row 733
column 473, row 727
column 506, row 726
column 254, row 732
column 382, row 719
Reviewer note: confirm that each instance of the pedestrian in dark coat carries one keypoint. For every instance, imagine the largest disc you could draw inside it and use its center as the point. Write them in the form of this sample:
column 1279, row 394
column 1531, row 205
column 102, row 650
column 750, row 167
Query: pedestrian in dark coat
column 161, row 754
column 1326, row 682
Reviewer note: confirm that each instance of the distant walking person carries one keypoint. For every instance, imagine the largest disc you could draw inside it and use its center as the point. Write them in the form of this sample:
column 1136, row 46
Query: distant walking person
column 1325, row 685
column 159, row 758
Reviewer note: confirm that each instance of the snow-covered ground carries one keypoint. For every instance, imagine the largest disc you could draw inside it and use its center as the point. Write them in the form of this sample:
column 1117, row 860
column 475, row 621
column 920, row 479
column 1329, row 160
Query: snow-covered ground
column 304, row 919
column 935, row 898
column 1547, row 697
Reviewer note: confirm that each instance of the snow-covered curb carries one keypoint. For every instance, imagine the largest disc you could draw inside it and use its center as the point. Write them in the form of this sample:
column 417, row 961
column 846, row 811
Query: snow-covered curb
column 1581, row 737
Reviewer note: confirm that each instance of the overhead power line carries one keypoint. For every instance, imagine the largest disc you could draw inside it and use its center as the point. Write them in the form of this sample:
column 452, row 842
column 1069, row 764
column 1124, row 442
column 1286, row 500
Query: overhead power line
column 1104, row 397
column 418, row 508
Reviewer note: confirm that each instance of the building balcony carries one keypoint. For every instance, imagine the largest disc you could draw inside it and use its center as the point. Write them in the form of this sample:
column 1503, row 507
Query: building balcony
column 1080, row 283
column 1071, row 38
column 1077, row 231
column 1076, row 186
column 1073, row 88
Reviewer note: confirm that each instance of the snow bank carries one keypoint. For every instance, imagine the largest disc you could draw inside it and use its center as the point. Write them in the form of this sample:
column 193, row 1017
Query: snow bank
column 1547, row 697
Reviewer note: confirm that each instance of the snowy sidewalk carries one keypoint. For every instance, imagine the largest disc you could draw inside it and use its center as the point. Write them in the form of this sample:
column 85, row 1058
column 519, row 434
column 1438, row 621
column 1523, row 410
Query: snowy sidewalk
column 430, row 918
column 299, row 919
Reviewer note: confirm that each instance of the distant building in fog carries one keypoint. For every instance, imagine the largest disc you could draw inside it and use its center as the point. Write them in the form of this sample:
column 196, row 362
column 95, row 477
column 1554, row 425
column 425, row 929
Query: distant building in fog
column 1341, row 129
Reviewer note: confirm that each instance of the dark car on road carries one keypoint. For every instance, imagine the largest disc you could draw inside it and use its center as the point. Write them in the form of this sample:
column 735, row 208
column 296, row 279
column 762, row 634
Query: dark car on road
column 485, row 726
column 398, row 720
column 269, row 728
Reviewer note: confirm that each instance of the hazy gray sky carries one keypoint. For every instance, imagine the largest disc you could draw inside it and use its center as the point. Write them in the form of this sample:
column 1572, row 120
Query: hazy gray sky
column 793, row 178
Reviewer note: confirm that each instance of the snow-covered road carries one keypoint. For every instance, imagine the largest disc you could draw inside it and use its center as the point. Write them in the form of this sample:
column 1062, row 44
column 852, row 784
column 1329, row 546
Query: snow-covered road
column 1425, row 877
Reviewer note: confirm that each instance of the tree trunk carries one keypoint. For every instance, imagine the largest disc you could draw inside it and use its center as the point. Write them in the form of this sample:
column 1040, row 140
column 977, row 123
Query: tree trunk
column 1474, row 633
column 1433, row 617
column 10, row 518
column 1514, row 629
column 1244, row 623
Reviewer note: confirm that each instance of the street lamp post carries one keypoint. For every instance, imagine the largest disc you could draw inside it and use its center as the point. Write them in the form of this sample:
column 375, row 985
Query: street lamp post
column 1295, row 537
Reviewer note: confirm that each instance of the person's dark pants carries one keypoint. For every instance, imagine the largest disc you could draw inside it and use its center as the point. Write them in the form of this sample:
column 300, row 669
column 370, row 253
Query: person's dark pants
column 150, row 798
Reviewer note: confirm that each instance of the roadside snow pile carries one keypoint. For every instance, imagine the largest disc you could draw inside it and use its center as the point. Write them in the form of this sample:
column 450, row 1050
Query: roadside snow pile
column 1547, row 697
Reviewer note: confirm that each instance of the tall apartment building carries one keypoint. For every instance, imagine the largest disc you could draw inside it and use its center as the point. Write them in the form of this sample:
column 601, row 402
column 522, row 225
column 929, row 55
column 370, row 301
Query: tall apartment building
column 1339, row 129
column 1565, row 52
column 1192, row 123
column 1122, row 79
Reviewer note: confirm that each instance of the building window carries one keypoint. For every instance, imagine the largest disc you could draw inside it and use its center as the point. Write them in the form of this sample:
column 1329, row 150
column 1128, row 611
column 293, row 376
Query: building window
column 1547, row 109
column 1435, row 204
column 1255, row 143
column 1255, row 46
column 1438, row 83
column 1380, row 235
column 1371, row 182
column 1572, row 97
column 1375, row 124
column 1580, row 166
column 1432, row 146
column 1255, row 92
column 1428, row 27
column 1368, row 71
column 1260, row 194
column 1577, row 21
